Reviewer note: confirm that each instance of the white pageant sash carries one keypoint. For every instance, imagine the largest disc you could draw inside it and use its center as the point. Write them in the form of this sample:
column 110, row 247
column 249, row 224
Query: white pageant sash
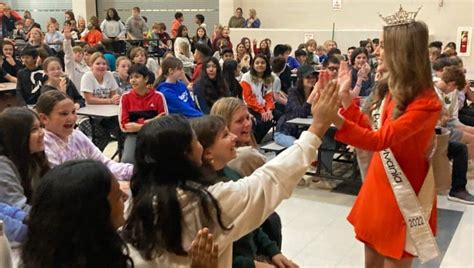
column 416, row 210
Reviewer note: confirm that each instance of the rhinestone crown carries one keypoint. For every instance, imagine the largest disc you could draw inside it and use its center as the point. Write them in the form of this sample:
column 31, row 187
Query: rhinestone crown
column 400, row 18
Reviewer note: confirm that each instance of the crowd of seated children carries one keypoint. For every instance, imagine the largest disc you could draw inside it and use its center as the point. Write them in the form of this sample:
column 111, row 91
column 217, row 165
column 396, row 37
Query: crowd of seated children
column 231, row 210
column 257, row 80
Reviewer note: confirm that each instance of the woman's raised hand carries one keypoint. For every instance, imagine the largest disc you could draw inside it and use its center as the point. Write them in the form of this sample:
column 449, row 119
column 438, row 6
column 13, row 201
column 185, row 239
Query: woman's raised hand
column 344, row 79
column 324, row 108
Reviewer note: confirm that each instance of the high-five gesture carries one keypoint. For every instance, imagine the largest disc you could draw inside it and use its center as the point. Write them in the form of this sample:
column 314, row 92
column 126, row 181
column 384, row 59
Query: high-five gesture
column 346, row 94
column 324, row 109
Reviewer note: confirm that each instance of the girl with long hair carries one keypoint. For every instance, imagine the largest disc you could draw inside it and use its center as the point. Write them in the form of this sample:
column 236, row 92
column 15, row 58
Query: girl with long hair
column 57, row 80
column 81, row 25
column 22, row 158
column 231, row 70
column 248, row 46
column 257, row 91
column 171, row 204
column 74, row 219
column 186, row 57
column 263, row 48
column 201, row 37
column 218, row 149
column 182, row 36
column 111, row 26
column 36, row 40
column 243, row 57
column 403, row 120
column 210, row 86
column 74, row 222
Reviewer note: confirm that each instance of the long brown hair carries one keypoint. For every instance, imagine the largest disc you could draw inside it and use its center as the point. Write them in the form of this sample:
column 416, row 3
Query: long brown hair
column 407, row 61
column 15, row 130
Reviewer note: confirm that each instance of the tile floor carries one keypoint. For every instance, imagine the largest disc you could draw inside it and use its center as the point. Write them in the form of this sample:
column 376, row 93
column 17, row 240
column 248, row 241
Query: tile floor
column 317, row 234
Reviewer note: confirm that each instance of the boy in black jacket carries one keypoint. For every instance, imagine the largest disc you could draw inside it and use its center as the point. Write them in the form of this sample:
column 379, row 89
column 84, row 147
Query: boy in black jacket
column 29, row 78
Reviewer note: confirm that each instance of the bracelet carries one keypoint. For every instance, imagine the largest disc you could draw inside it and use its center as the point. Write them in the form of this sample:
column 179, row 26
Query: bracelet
column 358, row 85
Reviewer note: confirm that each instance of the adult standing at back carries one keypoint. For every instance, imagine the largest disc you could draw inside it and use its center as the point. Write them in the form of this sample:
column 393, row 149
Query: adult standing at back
column 237, row 21
column 178, row 21
column 252, row 21
column 111, row 26
column 136, row 25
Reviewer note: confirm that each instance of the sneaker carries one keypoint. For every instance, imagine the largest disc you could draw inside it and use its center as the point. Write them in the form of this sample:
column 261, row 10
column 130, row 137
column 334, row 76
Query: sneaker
column 462, row 197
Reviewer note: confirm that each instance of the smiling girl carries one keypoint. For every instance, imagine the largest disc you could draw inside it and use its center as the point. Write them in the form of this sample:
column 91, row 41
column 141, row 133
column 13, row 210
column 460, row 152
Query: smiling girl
column 63, row 142
column 57, row 80
column 211, row 85
column 257, row 91
column 361, row 78
column 22, row 157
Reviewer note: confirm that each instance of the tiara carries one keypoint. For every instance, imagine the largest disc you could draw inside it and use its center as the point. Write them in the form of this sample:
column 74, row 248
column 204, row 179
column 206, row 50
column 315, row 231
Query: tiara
column 400, row 18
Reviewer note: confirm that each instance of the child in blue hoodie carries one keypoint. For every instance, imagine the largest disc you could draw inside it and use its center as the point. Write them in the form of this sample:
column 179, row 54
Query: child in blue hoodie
column 177, row 96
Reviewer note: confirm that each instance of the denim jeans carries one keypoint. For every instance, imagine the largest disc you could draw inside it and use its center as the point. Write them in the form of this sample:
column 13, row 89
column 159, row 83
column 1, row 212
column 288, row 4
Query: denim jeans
column 458, row 153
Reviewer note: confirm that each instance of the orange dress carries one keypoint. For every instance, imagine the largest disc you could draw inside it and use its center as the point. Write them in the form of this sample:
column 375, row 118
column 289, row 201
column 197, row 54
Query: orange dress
column 375, row 215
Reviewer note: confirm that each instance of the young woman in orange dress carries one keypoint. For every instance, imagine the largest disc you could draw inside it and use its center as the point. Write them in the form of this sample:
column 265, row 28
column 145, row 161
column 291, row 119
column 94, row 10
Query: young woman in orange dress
column 409, row 109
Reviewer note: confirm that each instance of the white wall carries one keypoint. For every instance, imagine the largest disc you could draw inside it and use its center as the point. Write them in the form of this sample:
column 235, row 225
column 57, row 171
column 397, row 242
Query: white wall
column 357, row 20
column 84, row 8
